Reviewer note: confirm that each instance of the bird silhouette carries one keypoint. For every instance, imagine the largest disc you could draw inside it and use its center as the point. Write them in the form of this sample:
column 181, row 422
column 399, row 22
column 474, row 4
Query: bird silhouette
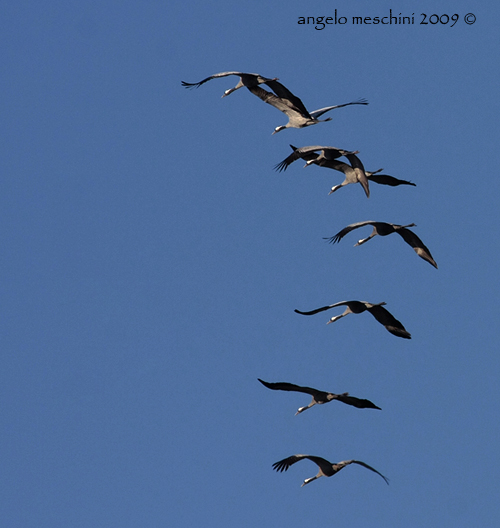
column 246, row 79
column 288, row 103
column 384, row 229
column 320, row 397
column 327, row 157
column 326, row 468
column 382, row 315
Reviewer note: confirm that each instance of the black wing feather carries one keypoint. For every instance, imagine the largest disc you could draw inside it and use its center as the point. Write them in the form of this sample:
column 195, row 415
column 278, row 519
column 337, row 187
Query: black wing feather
column 284, row 386
column 356, row 402
column 385, row 318
column 385, row 179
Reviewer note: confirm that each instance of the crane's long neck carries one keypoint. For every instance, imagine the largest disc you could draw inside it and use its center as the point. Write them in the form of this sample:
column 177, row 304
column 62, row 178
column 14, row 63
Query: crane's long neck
column 310, row 480
column 302, row 409
column 336, row 187
column 279, row 129
column 336, row 318
column 363, row 240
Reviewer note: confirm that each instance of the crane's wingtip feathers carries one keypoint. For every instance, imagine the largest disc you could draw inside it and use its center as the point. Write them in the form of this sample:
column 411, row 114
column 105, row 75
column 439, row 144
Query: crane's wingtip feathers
column 190, row 85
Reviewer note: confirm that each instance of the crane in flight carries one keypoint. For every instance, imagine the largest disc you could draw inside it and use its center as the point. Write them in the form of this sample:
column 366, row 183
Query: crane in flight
column 326, row 468
column 327, row 157
column 288, row 103
column 384, row 229
column 246, row 79
column 282, row 98
column 382, row 315
column 320, row 397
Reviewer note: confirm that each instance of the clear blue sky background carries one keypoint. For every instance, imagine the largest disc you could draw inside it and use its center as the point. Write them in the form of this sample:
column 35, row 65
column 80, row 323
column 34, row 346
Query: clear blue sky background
column 151, row 260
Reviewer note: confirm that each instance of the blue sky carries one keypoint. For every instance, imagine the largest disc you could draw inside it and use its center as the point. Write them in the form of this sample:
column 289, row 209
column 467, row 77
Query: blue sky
column 152, row 260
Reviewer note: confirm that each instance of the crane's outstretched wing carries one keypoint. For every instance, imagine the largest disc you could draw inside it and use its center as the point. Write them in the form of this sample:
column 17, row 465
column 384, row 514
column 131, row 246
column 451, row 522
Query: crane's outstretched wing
column 337, row 165
column 289, row 387
column 288, row 97
column 356, row 402
column 420, row 249
column 214, row 76
column 385, row 318
column 275, row 101
column 343, row 232
column 367, row 467
column 284, row 464
column 385, row 179
column 323, row 308
column 321, row 111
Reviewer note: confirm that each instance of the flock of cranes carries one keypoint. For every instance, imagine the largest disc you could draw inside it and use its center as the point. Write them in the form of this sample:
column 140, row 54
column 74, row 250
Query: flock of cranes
column 326, row 156
column 282, row 99
column 354, row 173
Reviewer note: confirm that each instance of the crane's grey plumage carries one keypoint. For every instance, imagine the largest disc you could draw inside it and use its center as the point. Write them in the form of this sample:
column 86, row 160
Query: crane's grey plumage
column 246, row 79
column 326, row 468
column 384, row 229
column 311, row 153
column 354, row 173
column 382, row 315
column 327, row 157
column 320, row 397
column 288, row 103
